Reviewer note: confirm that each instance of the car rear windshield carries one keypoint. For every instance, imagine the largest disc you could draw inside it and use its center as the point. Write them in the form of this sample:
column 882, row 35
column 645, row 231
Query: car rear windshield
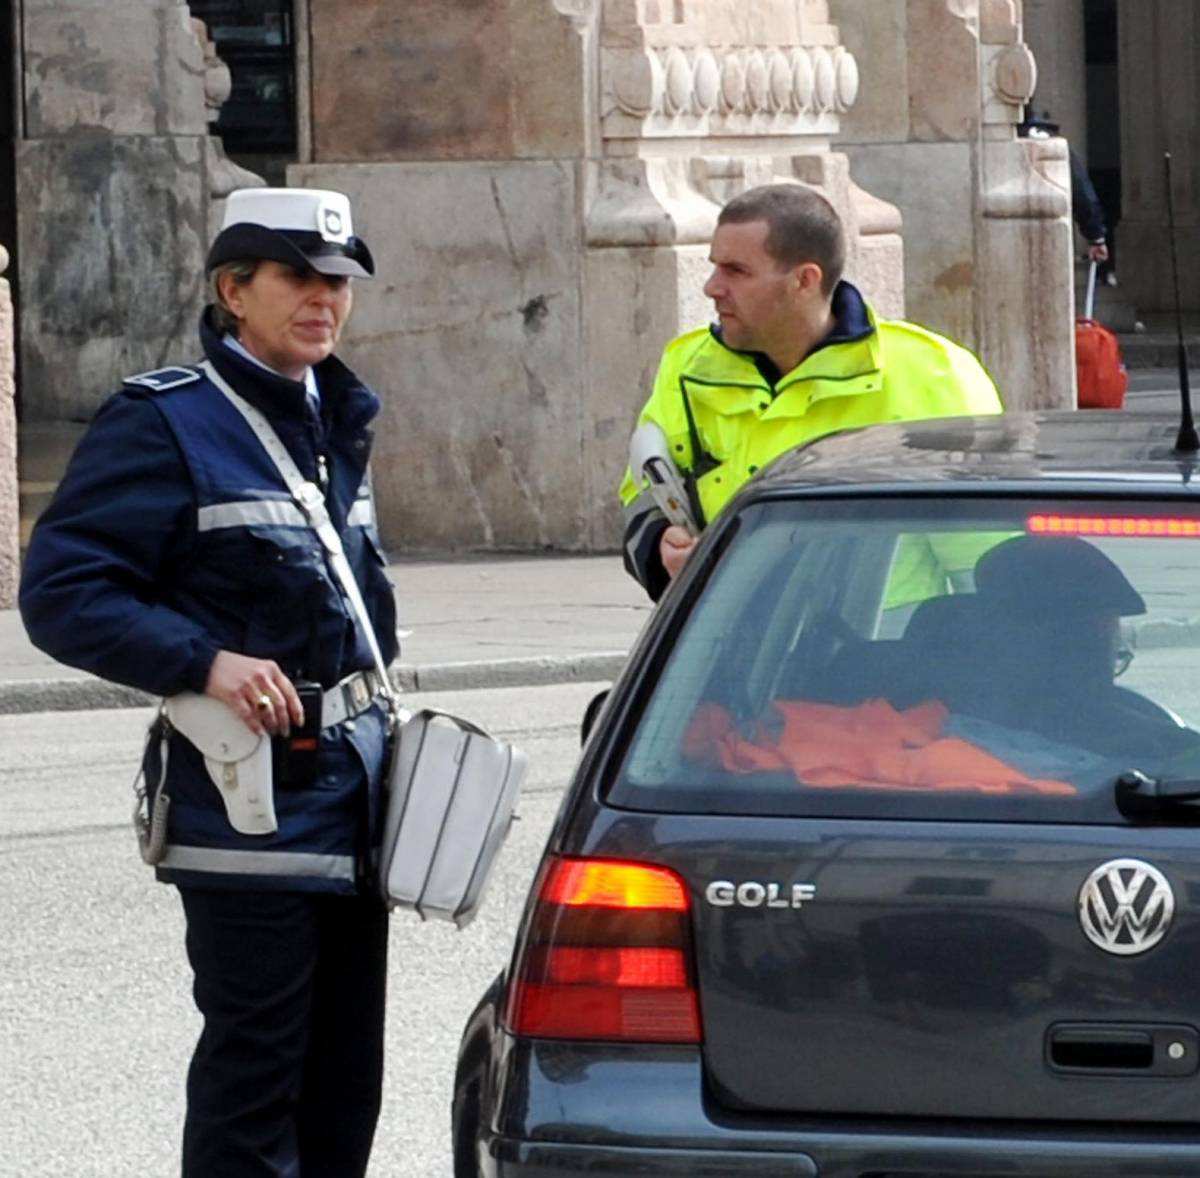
column 930, row 658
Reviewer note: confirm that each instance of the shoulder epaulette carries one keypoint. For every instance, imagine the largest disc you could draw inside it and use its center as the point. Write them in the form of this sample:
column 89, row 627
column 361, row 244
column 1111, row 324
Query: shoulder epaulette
column 161, row 379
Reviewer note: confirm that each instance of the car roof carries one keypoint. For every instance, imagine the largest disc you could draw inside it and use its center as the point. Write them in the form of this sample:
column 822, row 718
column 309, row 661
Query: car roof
column 1090, row 450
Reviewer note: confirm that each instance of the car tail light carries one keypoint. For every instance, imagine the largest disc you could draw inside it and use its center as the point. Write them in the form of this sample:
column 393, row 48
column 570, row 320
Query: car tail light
column 1113, row 525
column 606, row 956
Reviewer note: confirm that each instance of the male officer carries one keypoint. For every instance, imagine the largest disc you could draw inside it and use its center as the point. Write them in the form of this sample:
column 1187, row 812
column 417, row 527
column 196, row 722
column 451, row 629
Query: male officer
column 797, row 354
column 174, row 559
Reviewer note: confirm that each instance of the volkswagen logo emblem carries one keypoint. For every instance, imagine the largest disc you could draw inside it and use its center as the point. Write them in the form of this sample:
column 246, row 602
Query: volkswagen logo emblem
column 1125, row 906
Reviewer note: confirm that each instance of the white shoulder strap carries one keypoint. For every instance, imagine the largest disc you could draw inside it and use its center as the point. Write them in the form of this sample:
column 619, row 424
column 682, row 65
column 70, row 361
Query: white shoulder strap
column 311, row 502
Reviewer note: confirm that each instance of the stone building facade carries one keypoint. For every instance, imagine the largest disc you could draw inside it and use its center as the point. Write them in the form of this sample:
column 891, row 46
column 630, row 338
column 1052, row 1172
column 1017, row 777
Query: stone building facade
column 538, row 180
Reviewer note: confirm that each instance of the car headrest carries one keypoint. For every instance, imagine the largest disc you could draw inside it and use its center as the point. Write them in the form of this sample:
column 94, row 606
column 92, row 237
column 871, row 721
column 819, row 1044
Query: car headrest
column 943, row 622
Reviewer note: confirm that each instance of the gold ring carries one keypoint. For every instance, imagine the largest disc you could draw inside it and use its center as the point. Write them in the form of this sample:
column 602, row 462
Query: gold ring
column 264, row 703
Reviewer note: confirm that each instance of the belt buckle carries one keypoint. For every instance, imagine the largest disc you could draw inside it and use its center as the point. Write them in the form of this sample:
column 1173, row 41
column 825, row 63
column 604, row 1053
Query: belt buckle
column 360, row 693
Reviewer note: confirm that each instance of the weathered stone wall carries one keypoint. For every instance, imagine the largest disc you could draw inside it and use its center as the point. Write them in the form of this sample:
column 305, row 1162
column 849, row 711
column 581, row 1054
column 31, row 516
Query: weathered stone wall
column 470, row 332
column 986, row 216
column 539, row 180
column 8, row 450
column 111, row 197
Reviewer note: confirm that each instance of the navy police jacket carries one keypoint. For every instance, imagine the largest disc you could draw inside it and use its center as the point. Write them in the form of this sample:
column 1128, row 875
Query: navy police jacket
column 173, row 536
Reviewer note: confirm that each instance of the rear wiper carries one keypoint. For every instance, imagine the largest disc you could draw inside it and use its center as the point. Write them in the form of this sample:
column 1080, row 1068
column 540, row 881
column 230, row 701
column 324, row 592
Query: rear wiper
column 1139, row 794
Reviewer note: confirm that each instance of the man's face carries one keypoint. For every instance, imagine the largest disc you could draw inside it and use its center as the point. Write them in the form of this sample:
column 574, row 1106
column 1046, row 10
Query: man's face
column 754, row 296
column 1076, row 652
column 289, row 319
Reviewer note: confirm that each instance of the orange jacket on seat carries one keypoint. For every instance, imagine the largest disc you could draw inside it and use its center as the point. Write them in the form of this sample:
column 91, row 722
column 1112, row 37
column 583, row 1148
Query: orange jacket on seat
column 871, row 744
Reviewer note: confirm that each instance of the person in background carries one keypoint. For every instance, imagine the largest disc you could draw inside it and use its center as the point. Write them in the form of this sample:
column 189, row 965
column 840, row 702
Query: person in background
column 1086, row 210
column 174, row 559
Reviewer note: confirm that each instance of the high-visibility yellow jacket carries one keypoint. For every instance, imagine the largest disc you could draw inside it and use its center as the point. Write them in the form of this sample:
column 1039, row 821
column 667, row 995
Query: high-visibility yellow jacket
column 870, row 370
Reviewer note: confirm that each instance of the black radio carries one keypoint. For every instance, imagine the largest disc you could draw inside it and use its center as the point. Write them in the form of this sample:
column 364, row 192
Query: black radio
column 296, row 755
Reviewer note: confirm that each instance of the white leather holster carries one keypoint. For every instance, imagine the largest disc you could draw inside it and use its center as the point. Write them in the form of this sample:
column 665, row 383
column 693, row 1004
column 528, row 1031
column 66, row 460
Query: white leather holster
column 237, row 760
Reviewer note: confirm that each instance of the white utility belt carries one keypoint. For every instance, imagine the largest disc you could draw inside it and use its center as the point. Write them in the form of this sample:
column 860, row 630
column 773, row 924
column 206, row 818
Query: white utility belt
column 350, row 697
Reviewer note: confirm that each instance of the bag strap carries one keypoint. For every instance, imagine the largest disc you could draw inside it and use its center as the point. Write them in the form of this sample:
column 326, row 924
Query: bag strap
column 465, row 725
column 311, row 502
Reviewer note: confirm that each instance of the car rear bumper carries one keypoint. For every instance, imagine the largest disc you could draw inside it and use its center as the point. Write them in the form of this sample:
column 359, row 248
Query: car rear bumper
column 614, row 1111
column 855, row 1156
column 537, row 1159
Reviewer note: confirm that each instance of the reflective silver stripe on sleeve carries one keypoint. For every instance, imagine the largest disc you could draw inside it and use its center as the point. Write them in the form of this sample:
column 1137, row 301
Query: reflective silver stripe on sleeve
column 248, row 512
column 224, row 862
column 640, row 515
column 361, row 514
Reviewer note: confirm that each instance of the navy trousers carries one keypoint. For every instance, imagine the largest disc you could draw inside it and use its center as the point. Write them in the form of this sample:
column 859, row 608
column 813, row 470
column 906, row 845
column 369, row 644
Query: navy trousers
column 286, row 1078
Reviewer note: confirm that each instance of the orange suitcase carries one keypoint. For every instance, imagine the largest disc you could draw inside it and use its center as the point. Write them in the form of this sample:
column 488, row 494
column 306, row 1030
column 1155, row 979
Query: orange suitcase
column 1100, row 375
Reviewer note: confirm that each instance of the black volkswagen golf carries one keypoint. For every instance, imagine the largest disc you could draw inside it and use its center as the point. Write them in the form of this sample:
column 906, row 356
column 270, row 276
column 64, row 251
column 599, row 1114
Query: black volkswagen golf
column 882, row 857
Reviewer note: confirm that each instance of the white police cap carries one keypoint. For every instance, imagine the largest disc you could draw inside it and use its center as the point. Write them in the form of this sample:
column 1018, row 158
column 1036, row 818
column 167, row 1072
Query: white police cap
column 307, row 227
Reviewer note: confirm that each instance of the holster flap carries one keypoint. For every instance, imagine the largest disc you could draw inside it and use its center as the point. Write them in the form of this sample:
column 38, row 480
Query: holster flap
column 213, row 727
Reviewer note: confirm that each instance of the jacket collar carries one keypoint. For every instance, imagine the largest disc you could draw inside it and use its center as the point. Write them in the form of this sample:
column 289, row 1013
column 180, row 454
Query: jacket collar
column 344, row 398
column 854, row 324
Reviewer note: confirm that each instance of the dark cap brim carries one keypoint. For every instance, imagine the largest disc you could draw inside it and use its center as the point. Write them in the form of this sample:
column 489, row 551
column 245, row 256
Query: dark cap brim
column 247, row 241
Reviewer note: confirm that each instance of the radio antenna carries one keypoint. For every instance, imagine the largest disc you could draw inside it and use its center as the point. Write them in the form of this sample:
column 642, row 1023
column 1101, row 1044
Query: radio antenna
column 1187, row 442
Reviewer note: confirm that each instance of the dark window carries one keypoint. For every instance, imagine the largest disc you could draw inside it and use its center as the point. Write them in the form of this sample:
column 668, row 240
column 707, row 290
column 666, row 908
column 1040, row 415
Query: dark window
column 258, row 121
column 938, row 658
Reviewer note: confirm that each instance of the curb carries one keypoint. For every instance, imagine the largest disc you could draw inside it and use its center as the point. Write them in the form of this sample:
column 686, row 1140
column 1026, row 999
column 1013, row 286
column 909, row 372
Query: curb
column 77, row 694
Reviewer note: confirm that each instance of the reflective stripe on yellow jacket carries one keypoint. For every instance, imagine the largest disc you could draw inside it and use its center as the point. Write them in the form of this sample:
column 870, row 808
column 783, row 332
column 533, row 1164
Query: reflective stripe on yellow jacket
column 898, row 372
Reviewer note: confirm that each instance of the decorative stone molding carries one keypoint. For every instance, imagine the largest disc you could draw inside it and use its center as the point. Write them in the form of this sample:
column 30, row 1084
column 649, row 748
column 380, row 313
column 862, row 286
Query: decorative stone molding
column 702, row 99
column 693, row 69
column 701, row 91
column 1029, row 179
column 646, row 202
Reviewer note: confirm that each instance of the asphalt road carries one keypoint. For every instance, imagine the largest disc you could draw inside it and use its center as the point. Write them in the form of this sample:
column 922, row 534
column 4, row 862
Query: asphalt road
column 96, row 1020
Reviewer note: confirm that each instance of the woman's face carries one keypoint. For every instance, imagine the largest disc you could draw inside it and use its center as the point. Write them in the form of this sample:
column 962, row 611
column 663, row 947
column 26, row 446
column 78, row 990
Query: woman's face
column 289, row 319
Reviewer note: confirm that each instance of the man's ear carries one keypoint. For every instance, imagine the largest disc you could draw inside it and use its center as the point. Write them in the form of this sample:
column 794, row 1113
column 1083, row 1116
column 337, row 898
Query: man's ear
column 808, row 276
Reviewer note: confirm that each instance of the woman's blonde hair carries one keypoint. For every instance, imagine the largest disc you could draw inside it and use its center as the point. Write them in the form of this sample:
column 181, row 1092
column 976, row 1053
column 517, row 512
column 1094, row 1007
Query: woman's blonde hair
column 241, row 270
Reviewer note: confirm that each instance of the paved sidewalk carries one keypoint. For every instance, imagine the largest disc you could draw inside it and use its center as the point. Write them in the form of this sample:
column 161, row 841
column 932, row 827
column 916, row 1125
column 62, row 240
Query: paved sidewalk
column 495, row 621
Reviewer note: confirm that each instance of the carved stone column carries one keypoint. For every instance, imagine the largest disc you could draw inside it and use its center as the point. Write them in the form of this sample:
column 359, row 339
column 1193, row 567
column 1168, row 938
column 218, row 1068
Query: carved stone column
column 8, row 449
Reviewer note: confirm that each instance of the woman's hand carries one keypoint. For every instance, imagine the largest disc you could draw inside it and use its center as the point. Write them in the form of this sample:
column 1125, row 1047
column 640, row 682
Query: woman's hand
column 260, row 693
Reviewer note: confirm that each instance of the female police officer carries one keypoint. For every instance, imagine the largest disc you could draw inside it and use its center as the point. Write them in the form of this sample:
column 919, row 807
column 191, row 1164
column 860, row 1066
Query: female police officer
column 173, row 559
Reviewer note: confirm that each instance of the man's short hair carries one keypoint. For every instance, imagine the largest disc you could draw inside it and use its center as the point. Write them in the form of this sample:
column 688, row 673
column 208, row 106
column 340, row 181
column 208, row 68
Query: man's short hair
column 802, row 226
